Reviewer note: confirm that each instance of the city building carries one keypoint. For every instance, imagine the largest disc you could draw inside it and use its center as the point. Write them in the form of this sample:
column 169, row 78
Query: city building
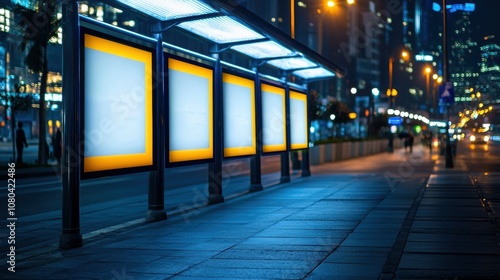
column 490, row 69
column 362, row 36
column 417, row 28
column 464, row 53
column 349, row 33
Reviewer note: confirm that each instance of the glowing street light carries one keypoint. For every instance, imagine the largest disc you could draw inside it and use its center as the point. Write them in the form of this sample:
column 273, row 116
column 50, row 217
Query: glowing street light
column 332, row 3
column 428, row 71
column 404, row 55
column 391, row 92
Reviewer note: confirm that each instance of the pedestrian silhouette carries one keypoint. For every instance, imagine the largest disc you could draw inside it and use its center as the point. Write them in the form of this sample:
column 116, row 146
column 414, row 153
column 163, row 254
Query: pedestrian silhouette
column 20, row 142
column 410, row 142
column 430, row 142
column 57, row 146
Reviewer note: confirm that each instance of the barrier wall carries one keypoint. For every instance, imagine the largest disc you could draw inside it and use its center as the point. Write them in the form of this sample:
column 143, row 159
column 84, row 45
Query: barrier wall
column 347, row 150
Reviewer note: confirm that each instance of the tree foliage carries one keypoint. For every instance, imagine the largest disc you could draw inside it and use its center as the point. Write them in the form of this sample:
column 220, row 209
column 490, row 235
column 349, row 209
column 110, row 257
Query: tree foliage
column 323, row 108
column 37, row 27
column 17, row 100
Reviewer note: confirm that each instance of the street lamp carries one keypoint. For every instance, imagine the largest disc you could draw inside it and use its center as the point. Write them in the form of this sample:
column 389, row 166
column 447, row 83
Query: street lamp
column 373, row 109
column 437, row 81
column 331, row 3
column 391, row 92
column 428, row 71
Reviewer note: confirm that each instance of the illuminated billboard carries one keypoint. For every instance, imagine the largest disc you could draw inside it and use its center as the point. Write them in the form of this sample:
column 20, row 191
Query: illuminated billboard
column 239, row 116
column 298, row 120
column 117, row 104
column 190, row 111
column 273, row 119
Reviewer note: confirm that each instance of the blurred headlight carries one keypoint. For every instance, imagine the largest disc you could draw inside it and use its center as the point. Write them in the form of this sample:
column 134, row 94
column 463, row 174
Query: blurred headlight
column 472, row 138
column 435, row 143
column 486, row 138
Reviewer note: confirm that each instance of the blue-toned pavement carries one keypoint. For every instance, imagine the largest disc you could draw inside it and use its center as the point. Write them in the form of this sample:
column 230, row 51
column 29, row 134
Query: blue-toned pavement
column 440, row 225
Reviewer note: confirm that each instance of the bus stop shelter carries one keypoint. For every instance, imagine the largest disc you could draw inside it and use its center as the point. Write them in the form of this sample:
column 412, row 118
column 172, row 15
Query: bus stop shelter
column 135, row 103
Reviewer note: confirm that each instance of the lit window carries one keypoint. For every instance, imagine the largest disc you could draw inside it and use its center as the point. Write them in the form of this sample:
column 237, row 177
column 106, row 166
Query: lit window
column 4, row 20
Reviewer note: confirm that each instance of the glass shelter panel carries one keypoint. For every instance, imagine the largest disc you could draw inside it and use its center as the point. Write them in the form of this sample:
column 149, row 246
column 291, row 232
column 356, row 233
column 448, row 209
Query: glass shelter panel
column 221, row 30
column 171, row 9
column 263, row 50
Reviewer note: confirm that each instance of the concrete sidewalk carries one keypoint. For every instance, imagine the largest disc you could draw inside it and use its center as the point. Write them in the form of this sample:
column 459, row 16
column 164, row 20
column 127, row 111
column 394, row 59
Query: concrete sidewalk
column 329, row 226
column 454, row 231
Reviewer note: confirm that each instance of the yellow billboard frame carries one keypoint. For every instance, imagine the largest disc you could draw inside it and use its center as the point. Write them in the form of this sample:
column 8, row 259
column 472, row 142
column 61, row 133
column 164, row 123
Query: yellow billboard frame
column 111, row 162
column 195, row 154
column 280, row 91
column 243, row 82
column 302, row 97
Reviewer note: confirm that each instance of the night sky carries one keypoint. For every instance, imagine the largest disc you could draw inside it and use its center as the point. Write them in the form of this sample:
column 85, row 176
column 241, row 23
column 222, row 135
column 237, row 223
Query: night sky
column 486, row 18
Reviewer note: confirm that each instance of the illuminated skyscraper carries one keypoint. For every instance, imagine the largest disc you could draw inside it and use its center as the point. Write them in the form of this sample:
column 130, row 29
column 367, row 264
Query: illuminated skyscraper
column 490, row 68
column 464, row 53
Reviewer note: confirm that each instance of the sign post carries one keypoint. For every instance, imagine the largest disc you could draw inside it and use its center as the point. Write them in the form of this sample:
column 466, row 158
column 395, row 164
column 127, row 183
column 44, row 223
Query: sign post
column 446, row 99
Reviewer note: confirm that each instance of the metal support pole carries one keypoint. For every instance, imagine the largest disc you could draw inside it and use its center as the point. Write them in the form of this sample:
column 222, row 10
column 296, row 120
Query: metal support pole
column 448, row 155
column 306, row 163
column 391, row 66
column 255, row 161
column 285, row 156
column 390, row 136
column 427, row 89
column 285, row 167
column 156, row 188
column 306, row 171
column 71, row 158
column 292, row 19
column 215, row 168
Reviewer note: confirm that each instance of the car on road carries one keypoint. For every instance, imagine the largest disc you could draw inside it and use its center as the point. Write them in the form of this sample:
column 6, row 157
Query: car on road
column 479, row 138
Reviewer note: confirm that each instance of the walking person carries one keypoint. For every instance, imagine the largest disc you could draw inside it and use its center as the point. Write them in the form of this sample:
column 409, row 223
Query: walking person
column 20, row 142
column 410, row 140
column 57, row 146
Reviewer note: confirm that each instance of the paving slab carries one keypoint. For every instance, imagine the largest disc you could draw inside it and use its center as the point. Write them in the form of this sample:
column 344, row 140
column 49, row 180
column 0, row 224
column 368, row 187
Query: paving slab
column 329, row 226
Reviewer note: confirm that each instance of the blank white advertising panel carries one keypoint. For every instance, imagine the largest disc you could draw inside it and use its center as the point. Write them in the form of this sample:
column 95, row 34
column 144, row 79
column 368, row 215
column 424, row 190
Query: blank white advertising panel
column 273, row 119
column 239, row 116
column 190, row 111
column 117, row 105
column 298, row 121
